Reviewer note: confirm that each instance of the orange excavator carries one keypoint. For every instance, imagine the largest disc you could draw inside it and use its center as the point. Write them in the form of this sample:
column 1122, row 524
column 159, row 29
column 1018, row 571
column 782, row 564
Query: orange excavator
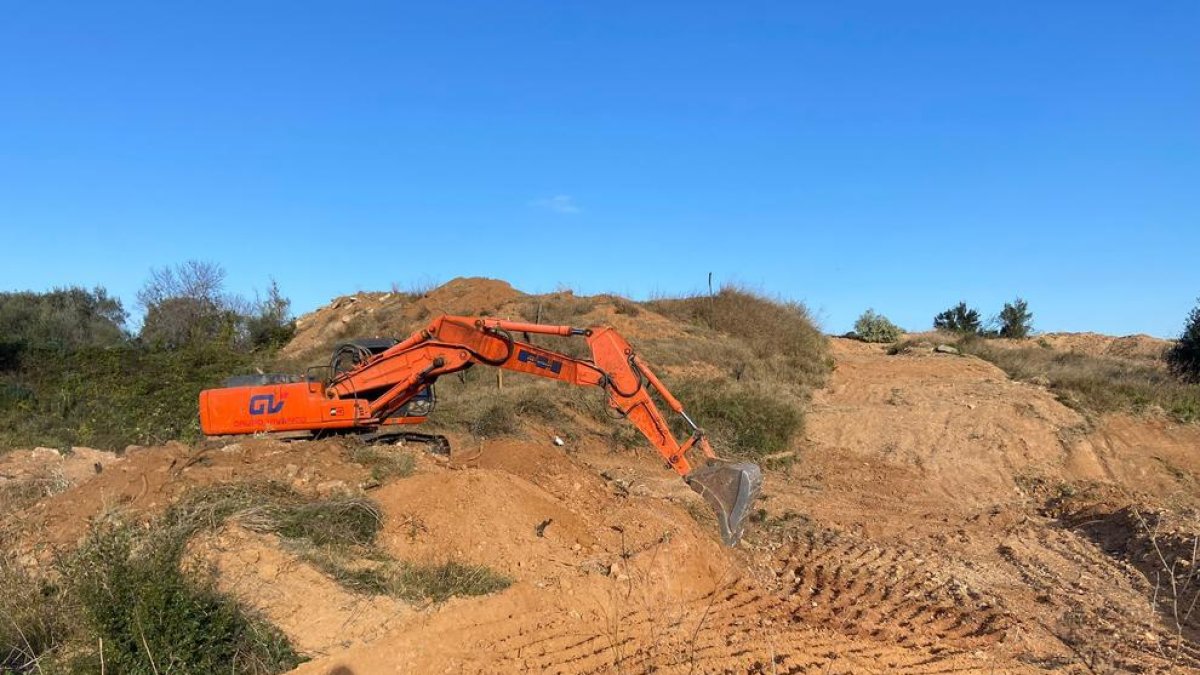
column 376, row 389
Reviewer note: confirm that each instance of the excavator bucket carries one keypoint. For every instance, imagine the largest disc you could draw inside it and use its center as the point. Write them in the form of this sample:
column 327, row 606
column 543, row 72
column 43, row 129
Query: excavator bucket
column 730, row 489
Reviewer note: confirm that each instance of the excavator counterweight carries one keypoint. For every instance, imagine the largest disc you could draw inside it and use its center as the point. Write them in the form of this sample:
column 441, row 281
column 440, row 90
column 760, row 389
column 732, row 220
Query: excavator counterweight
column 376, row 388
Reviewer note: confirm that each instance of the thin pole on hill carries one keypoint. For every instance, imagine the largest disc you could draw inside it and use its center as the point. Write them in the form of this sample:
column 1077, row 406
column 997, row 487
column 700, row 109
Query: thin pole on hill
column 711, row 298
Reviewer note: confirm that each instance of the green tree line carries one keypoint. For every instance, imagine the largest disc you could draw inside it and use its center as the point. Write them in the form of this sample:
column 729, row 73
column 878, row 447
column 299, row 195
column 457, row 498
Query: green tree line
column 74, row 372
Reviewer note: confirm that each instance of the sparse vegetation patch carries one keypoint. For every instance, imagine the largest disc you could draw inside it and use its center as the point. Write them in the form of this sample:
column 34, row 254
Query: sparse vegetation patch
column 1094, row 383
column 129, row 589
column 741, row 420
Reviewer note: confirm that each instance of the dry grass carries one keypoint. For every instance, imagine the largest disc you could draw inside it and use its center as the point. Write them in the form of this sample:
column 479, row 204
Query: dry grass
column 17, row 493
column 769, row 356
column 764, row 353
column 475, row 404
column 780, row 335
column 385, row 462
column 413, row 582
column 1095, row 383
column 34, row 618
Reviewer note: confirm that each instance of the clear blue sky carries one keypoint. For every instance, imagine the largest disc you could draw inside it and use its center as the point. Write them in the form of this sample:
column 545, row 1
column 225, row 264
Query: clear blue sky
column 895, row 155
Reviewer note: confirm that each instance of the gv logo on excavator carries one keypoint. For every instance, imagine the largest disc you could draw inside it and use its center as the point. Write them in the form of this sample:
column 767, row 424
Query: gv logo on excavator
column 265, row 404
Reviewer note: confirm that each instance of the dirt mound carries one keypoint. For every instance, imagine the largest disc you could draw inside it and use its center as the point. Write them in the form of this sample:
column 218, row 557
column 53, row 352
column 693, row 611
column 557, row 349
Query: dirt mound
column 395, row 314
column 959, row 423
column 43, row 472
column 318, row 616
column 30, row 477
column 469, row 296
column 146, row 480
column 1135, row 347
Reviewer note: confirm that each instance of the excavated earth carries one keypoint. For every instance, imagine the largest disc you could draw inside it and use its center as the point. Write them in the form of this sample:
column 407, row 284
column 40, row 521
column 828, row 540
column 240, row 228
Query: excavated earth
column 939, row 518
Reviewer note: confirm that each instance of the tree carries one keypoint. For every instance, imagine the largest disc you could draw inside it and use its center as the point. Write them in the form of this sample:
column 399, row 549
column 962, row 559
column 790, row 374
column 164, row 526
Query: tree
column 1016, row 321
column 958, row 319
column 273, row 325
column 185, row 305
column 872, row 327
column 1184, row 358
column 69, row 318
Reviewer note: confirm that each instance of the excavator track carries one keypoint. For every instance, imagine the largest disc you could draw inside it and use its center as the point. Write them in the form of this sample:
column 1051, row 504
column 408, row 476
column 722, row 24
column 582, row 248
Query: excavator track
column 438, row 444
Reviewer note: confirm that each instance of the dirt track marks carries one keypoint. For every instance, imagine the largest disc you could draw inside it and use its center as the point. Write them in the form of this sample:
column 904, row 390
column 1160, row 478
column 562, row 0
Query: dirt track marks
column 840, row 605
column 865, row 589
column 738, row 629
column 1086, row 597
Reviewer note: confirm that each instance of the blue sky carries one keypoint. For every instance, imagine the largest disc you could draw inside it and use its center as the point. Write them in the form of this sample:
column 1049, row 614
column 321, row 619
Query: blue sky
column 894, row 155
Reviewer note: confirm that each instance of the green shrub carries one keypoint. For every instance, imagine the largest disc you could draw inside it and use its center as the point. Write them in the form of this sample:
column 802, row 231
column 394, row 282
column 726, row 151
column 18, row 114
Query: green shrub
column 113, row 397
column 958, row 319
column 1183, row 358
column 872, row 327
column 271, row 326
column 1016, row 321
column 741, row 420
column 153, row 618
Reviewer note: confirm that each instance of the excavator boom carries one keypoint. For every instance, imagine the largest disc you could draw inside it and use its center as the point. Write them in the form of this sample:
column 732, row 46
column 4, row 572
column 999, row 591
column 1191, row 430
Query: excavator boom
column 383, row 386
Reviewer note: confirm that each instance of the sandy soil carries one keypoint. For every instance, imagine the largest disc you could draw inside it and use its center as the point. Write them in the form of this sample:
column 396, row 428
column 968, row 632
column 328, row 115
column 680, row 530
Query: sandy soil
column 940, row 518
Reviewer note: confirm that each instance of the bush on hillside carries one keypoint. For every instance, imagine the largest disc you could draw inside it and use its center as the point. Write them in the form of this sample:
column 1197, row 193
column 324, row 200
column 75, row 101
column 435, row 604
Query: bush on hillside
column 872, row 327
column 71, row 375
column 741, row 420
column 958, row 319
column 1184, row 358
column 1016, row 321
column 153, row 617
column 775, row 331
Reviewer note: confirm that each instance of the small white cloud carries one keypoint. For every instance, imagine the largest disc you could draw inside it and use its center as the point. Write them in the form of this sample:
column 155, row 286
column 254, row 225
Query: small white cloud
column 557, row 203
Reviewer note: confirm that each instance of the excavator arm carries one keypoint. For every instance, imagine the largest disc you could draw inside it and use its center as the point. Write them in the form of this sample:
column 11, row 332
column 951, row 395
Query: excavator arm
column 382, row 384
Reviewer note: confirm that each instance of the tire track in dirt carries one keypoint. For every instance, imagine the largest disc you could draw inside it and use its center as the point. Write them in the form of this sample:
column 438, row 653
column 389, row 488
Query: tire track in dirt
column 1086, row 598
column 866, row 589
column 840, row 604
column 740, row 628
